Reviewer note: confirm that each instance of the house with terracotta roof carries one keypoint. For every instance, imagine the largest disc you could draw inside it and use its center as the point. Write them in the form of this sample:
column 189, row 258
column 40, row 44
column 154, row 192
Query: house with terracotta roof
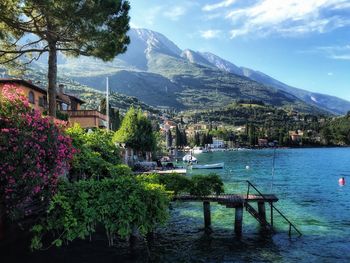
column 66, row 104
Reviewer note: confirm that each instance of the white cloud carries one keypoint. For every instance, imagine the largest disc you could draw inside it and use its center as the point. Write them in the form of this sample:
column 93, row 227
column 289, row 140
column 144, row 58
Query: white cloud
column 330, row 74
column 225, row 3
column 208, row 34
column 175, row 12
column 333, row 52
column 341, row 57
column 288, row 17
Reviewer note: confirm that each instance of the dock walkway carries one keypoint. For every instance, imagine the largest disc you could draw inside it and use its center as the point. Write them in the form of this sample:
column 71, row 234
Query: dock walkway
column 239, row 202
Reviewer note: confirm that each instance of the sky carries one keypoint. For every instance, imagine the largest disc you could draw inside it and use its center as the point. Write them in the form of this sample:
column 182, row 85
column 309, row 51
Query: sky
column 303, row 43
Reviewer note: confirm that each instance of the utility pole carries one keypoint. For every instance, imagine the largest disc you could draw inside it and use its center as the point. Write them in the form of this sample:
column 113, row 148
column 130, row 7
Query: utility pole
column 107, row 102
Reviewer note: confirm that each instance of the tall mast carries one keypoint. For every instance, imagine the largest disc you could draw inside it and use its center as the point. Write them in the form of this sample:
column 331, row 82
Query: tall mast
column 107, row 102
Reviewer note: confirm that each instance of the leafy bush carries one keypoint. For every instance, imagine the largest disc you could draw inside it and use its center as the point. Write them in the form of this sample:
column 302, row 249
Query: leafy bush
column 199, row 185
column 136, row 132
column 116, row 204
column 97, row 154
column 175, row 182
column 120, row 170
column 203, row 185
column 34, row 152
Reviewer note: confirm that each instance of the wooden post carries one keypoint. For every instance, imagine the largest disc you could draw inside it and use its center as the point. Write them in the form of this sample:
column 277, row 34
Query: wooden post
column 238, row 220
column 261, row 210
column 207, row 217
column 271, row 212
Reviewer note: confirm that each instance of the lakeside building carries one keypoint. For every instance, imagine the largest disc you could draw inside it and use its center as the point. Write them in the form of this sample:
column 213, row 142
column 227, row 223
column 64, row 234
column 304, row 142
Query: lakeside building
column 66, row 104
column 217, row 143
column 263, row 142
column 296, row 136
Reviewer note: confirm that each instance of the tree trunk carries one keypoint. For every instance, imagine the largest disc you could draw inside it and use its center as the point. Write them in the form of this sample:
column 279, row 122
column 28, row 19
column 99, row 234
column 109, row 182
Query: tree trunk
column 52, row 79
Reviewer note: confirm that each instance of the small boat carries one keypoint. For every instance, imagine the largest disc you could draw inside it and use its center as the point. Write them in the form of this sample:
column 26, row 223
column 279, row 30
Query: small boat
column 208, row 166
column 189, row 158
column 176, row 171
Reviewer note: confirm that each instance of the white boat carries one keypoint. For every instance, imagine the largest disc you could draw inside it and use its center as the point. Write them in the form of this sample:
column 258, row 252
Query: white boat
column 208, row 166
column 189, row 158
column 197, row 150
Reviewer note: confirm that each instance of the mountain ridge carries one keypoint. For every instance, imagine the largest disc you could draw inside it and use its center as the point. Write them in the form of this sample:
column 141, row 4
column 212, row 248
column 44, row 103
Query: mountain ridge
column 156, row 65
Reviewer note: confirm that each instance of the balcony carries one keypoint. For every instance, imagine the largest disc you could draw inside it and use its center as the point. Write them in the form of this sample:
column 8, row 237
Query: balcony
column 87, row 118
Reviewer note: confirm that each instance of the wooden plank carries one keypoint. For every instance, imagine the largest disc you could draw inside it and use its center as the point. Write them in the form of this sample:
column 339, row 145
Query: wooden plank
column 228, row 198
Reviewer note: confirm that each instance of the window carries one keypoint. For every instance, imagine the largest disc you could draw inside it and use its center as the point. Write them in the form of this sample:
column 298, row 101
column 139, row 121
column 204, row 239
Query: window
column 64, row 106
column 42, row 102
column 31, row 97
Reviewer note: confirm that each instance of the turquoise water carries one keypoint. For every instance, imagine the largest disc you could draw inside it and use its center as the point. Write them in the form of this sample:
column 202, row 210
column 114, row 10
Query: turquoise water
column 305, row 181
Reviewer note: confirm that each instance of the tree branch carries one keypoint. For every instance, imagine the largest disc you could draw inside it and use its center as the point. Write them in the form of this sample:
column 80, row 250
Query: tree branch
column 3, row 52
column 11, row 59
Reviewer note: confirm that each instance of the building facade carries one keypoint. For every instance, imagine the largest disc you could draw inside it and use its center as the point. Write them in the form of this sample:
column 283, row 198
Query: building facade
column 66, row 104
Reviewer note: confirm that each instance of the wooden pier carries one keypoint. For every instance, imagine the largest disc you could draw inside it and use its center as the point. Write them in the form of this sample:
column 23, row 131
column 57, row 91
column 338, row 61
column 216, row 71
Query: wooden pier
column 239, row 202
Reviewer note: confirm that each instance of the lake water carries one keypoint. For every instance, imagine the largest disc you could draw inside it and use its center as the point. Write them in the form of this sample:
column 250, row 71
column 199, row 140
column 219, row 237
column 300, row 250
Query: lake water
column 305, row 181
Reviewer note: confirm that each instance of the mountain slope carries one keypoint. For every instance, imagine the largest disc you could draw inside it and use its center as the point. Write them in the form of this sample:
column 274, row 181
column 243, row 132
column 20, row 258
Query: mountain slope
column 195, row 57
column 156, row 71
column 222, row 64
column 153, row 89
column 327, row 102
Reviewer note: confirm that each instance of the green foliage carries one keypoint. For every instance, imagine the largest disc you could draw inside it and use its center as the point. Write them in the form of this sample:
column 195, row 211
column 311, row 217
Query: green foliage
column 128, row 130
column 136, row 132
column 199, row 185
column 176, row 183
column 203, row 185
column 121, row 170
column 337, row 131
column 61, row 116
column 97, row 155
column 114, row 115
column 99, row 34
column 117, row 205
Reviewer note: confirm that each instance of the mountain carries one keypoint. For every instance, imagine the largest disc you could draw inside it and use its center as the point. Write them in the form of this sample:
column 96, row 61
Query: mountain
column 159, row 73
column 222, row 64
column 330, row 103
column 195, row 57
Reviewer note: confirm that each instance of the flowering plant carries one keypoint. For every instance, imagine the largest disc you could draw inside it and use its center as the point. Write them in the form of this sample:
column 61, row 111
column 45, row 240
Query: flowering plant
column 34, row 152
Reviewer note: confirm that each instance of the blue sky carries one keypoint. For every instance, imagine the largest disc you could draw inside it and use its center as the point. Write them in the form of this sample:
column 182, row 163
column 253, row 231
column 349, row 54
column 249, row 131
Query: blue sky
column 303, row 43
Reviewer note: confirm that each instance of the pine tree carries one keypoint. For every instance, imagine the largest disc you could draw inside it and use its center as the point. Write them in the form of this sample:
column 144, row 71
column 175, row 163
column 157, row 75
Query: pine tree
column 169, row 139
column 178, row 139
column 73, row 27
column 197, row 139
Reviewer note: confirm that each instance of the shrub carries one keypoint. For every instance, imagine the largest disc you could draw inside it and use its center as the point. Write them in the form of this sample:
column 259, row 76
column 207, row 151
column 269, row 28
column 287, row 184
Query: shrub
column 199, row 185
column 203, row 185
column 34, row 152
column 176, row 182
column 120, row 170
column 97, row 154
column 117, row 205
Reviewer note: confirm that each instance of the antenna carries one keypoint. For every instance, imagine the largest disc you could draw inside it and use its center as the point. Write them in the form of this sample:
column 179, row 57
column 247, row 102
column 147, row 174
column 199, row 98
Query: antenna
column 107, row 102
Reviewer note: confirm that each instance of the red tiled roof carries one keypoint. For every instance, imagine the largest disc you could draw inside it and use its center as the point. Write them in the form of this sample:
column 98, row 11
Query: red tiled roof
column 37, row 88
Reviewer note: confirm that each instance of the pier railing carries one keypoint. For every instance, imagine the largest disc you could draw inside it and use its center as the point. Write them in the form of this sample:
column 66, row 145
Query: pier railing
column 291, row 225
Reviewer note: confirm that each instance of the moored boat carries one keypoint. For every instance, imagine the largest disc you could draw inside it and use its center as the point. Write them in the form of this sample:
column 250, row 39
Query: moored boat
column 208, row 166
column 189, row 158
